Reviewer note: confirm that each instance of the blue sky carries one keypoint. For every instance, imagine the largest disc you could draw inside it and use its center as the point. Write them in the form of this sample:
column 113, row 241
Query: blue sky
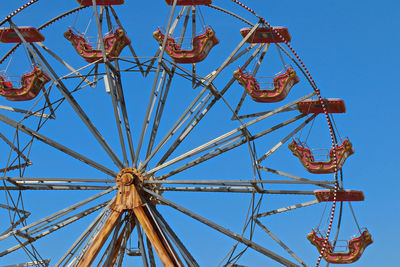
column 351, row 50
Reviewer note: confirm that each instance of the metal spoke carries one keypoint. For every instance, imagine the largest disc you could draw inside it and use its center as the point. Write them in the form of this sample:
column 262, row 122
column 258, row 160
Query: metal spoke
column 188, row 112
column 141, row 245
column 193, row 36
column 37, row 114
column 52, row 229
column 72, row 250
column 59, row 84
column 233, row 59
column 125, row 117
column 237, row 181
column 291, row 176
column 258, row 114
column 56, row 215
column 32, row 263
column 151, row 254
column 68, row 66
column 260, row 59
column 239, row 129
column 196, row 119
column 80, row 112
column 239, row 105
column 236, row 141
column 190, row 261
column 207, row 86
column 41, row 228
column 130, row 44
column 224, row 230
column 286, row 138
column 172, row 29
column 159, row 111
column 14, row 148
column 25, row 215
column 292, row 207
column 236, row 189
column 149, row 105
column 40, row 180
column 165, row 91
column 111, row 84
column 277, row 240
column 56, row 145
column 55, row 187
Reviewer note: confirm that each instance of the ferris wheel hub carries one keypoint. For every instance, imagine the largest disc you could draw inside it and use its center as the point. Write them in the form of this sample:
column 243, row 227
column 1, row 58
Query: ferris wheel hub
column 131, row 182
column 129, row 176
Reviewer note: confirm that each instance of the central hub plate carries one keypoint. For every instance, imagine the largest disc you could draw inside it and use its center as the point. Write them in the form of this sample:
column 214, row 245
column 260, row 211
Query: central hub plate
column 129, row 176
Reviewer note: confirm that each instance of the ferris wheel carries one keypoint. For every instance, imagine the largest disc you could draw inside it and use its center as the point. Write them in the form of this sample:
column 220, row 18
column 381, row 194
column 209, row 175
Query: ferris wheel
column 186, row 139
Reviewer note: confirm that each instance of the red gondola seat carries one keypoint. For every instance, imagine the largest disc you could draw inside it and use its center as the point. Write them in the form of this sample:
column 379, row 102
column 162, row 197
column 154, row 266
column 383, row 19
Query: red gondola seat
column 31, row 84
column 30, row 34
column 267, row 35
column 100, row 2
column 325, row 195
column 356, row 247
column 189, row 2
column 113, row 44
column 201, row 47
column 332, row 105
column 307, row 159
column 282, row 85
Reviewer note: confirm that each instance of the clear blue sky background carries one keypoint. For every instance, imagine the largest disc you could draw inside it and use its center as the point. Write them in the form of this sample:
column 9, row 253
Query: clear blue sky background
column 351, row 49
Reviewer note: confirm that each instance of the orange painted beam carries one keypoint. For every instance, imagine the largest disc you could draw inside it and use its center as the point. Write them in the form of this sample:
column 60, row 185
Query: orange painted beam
column 101, row 237
column 129, row 200
column 118, row 243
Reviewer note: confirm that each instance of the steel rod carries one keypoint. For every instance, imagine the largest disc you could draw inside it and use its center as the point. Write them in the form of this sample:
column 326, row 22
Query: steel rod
column 239, row 129
column 120, row 98
column 229, row 182
column 63, row 62
column 124, row 112
column 141, row 244
column 84, row 235
column 286, row 138
column 258, row 114
column 49, row 231
column 160, row 57
column 41, row 228
column 291, row 176
column 57, row 214
column 151, row 253
column 159, row 112
column 78, row 109
column 219, row 150
column 236, row 189
column 54, row 187
column 160, row 107
column 200, row 115
column 56, row 145
column 189, row 259
column 280, row 243
column 172, row 29
column 186, row 114
column 224, row 230
column 234, row 58
column 37, row 114
column 292, row 207
column 135, row 57
column 260, row 60
column 111, row 84
column 207, row 86
column 39, row 180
